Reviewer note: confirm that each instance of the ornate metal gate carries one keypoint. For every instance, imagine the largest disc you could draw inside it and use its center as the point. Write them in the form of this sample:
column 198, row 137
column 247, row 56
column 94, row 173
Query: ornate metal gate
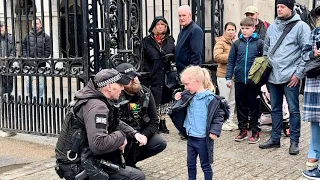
column 80, row 38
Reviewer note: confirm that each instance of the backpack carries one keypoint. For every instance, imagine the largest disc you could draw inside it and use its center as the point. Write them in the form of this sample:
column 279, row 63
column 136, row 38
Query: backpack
column 305, row 15
column 265, row 23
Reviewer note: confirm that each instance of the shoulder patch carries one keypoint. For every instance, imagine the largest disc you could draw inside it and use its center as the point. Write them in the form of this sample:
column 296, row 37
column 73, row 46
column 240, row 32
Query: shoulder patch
column 101, row 121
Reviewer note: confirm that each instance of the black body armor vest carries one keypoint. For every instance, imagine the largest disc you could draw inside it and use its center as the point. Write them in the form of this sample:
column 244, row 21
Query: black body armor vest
column 134, row 113
column 73, row 137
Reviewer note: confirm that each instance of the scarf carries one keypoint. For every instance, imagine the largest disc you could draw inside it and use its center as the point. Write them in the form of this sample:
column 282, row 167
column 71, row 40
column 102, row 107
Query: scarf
column 159, row 39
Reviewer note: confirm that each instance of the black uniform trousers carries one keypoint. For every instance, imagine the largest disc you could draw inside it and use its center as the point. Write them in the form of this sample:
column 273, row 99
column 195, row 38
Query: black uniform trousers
column 135, row 153
column 248, row 104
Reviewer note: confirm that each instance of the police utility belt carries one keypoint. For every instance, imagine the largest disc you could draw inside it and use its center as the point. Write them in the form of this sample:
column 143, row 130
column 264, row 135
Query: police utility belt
column 90, row 167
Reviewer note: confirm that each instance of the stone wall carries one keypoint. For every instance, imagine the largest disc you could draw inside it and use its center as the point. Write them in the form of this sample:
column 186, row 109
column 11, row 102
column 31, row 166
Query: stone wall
column 234, row 9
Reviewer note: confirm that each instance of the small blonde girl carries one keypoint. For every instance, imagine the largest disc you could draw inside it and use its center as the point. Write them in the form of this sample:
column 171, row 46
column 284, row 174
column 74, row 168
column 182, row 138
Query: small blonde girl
column 203, row 120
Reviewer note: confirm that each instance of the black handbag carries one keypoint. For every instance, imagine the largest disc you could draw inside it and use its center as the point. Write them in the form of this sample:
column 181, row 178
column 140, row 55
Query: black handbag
column 312, row 69
column 171, row 78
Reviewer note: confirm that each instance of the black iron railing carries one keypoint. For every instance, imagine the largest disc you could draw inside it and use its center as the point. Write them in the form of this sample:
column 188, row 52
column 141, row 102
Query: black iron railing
column 84, row 36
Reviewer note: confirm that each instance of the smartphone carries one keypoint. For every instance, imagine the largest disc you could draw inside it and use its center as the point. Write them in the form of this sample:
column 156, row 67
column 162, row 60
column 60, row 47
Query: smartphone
column 318, row 44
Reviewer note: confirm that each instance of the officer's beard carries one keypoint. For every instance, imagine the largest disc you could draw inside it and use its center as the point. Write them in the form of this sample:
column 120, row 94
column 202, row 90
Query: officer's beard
column 133, row 88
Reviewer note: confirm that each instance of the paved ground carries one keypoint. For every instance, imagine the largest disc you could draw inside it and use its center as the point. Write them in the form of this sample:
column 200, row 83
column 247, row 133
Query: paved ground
column 232, row 160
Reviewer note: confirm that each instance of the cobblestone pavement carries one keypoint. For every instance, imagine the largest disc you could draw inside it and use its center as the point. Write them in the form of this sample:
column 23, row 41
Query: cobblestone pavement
column 233, row 160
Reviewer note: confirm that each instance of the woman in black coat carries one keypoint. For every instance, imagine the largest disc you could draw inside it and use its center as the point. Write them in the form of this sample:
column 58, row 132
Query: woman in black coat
column 157, row 47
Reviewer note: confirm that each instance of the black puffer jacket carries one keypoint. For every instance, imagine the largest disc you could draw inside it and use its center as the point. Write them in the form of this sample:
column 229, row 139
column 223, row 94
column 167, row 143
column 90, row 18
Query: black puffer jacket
column 154, row 62
column 37, row 45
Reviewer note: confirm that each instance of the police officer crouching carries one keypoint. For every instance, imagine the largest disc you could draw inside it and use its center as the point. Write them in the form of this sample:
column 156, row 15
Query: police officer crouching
column 141, row 114
column 92, row 138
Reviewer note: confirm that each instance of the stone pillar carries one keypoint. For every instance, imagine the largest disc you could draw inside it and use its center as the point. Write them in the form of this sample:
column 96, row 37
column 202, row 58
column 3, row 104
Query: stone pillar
column 234, row 10
column 208, row 43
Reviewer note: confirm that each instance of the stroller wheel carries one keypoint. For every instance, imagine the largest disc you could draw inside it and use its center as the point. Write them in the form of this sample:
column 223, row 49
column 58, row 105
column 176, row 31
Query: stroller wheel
column 286, row 129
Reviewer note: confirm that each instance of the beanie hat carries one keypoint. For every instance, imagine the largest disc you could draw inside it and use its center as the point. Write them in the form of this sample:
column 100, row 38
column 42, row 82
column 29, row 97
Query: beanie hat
column 288, row 3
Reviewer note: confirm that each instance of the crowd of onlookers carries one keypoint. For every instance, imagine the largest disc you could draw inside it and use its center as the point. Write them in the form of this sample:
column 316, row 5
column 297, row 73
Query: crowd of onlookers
column 235, row 52
column 235, row 56
column 36, row 44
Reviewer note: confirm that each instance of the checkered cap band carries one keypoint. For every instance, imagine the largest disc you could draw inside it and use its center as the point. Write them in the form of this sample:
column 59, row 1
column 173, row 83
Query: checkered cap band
column 112, row 80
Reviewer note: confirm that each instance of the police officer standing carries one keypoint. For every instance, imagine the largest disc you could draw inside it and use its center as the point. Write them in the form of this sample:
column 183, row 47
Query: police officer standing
column 141, row 114
column 93, row 127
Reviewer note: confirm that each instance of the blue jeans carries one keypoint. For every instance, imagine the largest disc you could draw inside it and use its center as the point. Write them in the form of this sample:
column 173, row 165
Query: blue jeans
column 197, row 146
column 292, row 95
column 314, row 139
column 312, row 153
column 30, row 84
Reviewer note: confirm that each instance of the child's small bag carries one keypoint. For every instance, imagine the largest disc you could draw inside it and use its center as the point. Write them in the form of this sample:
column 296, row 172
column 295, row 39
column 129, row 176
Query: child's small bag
column 260, row 70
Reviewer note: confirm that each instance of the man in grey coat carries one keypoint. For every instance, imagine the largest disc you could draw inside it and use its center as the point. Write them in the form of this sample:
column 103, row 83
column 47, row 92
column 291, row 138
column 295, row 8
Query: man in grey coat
column 287, row 71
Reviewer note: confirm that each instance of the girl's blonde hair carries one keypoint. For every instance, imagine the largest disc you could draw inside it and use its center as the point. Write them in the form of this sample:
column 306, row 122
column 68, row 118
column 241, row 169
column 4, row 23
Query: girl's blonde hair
column 201, row 74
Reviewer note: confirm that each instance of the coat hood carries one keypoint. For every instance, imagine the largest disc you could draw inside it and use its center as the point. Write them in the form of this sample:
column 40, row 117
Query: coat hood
column 224, row 38
column 33, row 32
column 186, row 97
column 254, row 37
column 156, row 20
column 281, row 23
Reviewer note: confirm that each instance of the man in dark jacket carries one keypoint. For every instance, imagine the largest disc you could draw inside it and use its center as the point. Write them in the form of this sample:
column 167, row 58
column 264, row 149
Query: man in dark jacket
column 103, row 133
column 37, row 44
column 190, row 44
column 141, row 114
column 261, row 26
column 6, row 50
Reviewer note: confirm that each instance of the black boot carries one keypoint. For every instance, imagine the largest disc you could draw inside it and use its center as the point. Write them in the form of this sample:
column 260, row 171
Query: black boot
column 270, row 144
column 294, row 148
column 163, row 127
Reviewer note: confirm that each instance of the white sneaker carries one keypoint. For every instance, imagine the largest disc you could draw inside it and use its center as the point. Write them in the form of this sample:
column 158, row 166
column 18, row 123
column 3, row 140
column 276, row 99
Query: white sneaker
column 227, row 126
column 234, row 125
column 265, row 119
